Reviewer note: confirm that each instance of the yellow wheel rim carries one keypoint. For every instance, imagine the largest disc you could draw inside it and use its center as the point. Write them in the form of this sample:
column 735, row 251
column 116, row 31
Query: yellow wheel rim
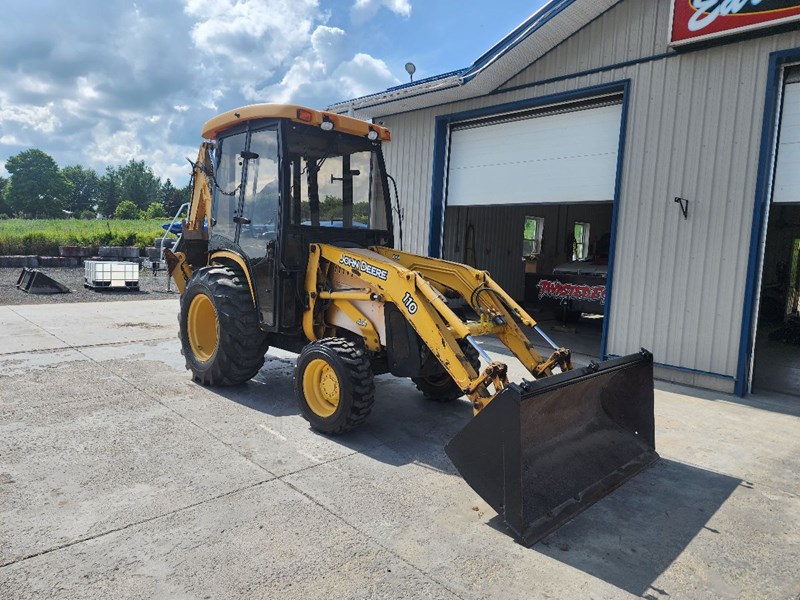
column 321, row 388
column 202, row 327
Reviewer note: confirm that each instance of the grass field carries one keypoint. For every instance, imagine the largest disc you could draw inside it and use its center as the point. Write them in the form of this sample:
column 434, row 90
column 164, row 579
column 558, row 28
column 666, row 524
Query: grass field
column 44, row 236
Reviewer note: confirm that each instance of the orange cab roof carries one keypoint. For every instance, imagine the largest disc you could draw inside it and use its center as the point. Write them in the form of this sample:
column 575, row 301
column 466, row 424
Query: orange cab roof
column 298, row 114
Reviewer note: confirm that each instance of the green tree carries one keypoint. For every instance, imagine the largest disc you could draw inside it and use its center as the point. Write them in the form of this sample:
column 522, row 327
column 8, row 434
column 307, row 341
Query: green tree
column 139, row 184
column 37, row 188
column 5, row 209
column 155, row 211
column 172, row 198
column 127, row 210
column 109, row 192
column 86, row 188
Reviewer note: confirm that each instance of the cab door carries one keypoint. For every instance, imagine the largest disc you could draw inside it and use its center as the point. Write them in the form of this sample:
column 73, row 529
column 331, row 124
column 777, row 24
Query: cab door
column 258, row 216
column 246, row 200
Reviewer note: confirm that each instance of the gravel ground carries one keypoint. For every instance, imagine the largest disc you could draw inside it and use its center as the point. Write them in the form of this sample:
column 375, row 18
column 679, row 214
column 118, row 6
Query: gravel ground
column 151, row 287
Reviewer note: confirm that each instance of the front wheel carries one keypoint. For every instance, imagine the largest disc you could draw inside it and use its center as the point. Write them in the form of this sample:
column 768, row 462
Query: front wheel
column 220, row 337
column 333, row 385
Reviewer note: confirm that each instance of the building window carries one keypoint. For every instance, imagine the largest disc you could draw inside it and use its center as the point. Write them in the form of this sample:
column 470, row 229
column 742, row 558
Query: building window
column 532, row 236
column 580, row 248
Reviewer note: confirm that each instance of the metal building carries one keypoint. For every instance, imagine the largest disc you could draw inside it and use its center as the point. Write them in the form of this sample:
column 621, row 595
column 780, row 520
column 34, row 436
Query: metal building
column 673, row 131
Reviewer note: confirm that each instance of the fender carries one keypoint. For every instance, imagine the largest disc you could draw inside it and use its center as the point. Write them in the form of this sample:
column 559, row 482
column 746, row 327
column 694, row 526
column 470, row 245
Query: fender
column 228, row 255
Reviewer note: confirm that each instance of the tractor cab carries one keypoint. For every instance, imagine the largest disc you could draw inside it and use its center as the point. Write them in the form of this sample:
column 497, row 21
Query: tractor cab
column 285, row 177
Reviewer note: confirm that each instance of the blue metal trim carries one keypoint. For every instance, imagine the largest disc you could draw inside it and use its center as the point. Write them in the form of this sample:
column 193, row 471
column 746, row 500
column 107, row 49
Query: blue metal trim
column 529, row 26
column 425, row 93
column 418, row 82
column 437, row 187
column 516, row 105
column 541, row 82
column 776, row 62
column 615, row 216
column 682, row 51
column 620, row 65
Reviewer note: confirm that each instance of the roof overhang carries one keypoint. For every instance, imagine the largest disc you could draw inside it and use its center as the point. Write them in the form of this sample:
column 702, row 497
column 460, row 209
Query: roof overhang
column 542, row 31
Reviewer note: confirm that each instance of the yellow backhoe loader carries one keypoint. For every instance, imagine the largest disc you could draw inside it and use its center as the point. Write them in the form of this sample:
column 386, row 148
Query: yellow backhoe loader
column 289, row 243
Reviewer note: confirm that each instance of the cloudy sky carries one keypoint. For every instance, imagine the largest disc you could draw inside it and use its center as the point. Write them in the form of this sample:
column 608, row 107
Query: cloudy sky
column 98, row 82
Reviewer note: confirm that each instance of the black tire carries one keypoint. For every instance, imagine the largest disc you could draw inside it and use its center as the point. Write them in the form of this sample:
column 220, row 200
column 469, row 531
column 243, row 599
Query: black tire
column 356, row 387
column 238, row 353
column 441, row 387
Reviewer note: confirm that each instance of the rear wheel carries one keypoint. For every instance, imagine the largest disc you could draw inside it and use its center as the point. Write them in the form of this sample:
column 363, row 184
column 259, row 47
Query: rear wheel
column 219, row 331
column 440, row 387
column 333, row 385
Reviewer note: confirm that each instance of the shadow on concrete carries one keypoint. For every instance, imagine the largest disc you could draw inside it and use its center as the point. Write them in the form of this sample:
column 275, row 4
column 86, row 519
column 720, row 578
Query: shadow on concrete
column 633, row 535
column 771, row 401
column 627, row 539
column 402, row 428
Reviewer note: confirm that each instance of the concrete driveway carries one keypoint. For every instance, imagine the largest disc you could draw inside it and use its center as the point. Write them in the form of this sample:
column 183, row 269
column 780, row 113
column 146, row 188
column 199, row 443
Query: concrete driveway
column 119, row 477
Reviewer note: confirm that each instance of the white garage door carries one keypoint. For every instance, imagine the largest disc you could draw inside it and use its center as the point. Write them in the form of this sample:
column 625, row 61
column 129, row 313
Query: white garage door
column 566, row 157
column 787, row 171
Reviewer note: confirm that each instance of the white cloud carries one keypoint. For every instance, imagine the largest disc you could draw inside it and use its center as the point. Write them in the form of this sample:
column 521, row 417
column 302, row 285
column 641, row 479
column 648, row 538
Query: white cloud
column 328, row 45
column 247, row 41
column 27, row 116
column 363, row 10
column 327, row 72
column 98, row 84
column 118, row 147
column 364, row 74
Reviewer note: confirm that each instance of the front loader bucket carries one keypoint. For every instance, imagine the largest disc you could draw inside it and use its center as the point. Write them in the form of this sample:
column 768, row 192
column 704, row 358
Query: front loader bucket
column 542, row 452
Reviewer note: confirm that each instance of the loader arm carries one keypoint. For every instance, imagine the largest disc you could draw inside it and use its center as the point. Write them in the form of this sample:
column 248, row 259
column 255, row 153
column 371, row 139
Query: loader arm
column 493, row 305
column 349, row 280
column 377, row 279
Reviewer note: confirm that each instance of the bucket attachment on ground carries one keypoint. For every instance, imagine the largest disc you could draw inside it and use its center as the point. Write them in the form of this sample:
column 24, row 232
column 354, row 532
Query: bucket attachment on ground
column 543, row 451
column 34, row 281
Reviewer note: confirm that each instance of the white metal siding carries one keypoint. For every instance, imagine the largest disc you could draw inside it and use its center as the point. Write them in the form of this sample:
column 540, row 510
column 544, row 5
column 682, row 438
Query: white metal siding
column 787, row 171
column 566, row 157
column 693, row 130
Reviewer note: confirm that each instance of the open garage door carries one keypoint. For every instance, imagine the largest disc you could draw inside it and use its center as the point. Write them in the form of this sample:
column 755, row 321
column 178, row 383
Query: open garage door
column 777, row 349
column 530, row 199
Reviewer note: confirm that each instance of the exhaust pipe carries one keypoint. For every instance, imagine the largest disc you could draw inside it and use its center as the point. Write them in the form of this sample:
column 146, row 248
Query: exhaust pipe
column 543, row 451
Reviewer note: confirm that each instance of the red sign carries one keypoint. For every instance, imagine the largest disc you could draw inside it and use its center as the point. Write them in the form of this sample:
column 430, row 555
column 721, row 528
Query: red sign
column 571, row 291
column 694, row 20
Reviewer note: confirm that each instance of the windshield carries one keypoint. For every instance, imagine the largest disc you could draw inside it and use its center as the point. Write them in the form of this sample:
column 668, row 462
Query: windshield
column 336, row 181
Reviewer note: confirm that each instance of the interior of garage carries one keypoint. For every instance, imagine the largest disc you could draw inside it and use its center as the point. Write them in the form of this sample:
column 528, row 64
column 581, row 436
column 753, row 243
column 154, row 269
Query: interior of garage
column 777, row 356
column 522, row 245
